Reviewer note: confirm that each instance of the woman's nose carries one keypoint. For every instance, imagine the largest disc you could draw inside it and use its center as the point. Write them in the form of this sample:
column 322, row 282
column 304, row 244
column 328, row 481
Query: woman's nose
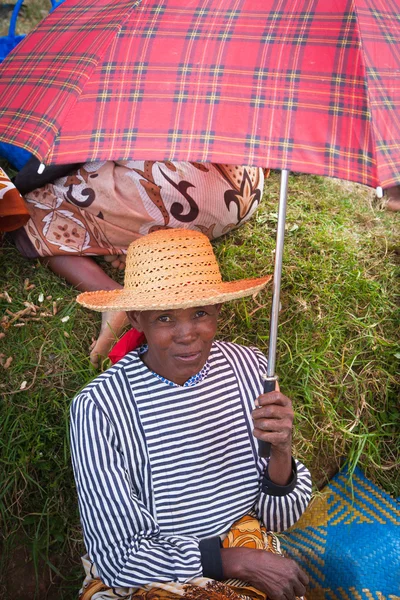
column 185, row 333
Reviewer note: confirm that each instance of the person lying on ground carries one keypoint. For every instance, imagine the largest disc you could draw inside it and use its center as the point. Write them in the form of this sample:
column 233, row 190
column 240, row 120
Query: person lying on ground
column 98, row 209
column 173, row 496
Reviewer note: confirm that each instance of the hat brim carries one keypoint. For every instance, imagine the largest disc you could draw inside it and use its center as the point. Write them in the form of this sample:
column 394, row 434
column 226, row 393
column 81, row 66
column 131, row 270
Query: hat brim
column 182, row 297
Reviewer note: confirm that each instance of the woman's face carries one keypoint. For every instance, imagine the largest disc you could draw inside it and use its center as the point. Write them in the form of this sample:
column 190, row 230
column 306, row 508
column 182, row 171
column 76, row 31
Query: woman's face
column 179, row 340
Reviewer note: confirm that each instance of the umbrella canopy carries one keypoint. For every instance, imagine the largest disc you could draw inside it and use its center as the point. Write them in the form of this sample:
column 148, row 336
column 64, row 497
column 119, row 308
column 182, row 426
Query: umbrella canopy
column 303, row 85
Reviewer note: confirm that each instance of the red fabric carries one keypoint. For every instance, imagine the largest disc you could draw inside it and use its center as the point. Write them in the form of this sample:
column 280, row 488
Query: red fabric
column 307, row 86
column 13, row 211
column 131, row 340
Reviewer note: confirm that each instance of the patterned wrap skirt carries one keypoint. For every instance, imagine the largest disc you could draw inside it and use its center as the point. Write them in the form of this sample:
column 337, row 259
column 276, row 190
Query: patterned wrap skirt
column 102, row 207
column 246, row 532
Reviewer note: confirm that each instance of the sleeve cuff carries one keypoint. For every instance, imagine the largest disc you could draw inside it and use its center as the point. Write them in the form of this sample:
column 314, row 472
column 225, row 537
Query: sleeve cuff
column 273, row 489
column 211, row 561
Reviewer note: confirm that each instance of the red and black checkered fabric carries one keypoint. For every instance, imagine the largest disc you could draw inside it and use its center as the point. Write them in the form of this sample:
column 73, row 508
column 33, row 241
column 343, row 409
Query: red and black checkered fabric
column 294, row 84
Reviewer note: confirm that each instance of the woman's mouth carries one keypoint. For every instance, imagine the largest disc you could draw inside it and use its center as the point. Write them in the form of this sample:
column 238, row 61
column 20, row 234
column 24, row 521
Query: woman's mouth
column 189, row 357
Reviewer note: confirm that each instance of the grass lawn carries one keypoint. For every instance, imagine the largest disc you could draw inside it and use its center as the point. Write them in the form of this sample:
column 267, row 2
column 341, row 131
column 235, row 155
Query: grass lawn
column 337, row 360
column 338, row 355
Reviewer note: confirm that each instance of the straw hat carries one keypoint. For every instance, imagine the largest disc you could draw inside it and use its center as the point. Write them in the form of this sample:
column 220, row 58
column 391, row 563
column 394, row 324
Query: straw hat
column 169, row 269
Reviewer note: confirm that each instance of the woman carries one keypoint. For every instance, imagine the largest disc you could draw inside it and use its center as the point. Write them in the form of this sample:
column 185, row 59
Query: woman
column 98, row 209
column 164, row 451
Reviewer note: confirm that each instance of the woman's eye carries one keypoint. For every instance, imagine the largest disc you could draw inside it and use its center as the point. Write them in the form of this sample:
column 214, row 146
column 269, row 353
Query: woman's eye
column 200, row 313
column 164, row 318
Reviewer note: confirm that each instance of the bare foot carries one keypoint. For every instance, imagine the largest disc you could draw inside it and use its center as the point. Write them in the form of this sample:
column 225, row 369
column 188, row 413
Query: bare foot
column 393, row 205
column 117, row 261
column 393, row 198
column 112, row 324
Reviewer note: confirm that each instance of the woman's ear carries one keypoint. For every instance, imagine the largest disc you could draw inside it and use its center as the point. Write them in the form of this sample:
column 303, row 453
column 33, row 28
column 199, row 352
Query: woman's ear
column 134, row 319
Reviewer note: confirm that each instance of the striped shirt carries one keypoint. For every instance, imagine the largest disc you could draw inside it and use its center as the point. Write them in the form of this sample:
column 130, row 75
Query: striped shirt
column 161, row 467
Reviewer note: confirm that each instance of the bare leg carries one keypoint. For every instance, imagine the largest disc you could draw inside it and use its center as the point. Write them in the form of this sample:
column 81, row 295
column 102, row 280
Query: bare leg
column 87, row 276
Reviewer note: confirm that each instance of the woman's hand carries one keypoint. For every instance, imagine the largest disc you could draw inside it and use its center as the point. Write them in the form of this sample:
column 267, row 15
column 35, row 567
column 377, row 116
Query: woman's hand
column 278, row 577
column 273, row 423
column 273, row 420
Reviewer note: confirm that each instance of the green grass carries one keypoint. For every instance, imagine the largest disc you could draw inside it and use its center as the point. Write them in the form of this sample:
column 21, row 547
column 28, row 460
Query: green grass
column 337, row 359
column 339, row 322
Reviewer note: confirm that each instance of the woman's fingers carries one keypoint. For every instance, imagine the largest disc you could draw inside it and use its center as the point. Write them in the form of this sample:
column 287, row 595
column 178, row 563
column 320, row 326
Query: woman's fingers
column 273, row 398
column 273, row 419
column 299, row 589
column 303, row 577
column 274, row 425
column 273, row 405
column 273, row 412
column 275, row 439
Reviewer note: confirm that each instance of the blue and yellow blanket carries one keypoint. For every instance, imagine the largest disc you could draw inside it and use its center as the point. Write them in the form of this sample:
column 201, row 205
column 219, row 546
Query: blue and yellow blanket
column 348, row 542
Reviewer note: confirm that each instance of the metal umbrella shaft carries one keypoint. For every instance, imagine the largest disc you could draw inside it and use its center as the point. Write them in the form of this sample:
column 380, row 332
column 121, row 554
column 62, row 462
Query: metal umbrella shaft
column 270, row 379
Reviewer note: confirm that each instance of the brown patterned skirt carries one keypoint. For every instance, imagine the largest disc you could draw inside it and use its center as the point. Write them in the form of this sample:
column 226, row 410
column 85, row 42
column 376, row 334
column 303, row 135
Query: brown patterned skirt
column 102, row 207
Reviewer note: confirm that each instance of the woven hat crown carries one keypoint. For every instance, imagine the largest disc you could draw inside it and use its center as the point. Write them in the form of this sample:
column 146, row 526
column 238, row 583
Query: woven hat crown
column 169, row 260
column 171, row 269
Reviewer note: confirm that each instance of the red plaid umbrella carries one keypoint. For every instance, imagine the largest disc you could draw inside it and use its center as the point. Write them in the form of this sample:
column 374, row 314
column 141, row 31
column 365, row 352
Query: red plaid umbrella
column 305, row 85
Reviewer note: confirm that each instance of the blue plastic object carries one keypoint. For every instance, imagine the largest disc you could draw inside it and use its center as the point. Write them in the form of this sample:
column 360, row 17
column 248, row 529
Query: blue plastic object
column 55, row 3
column 18, row 157
column 8, row 42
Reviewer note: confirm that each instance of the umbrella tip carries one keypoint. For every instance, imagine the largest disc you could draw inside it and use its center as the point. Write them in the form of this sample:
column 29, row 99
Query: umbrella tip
column 41, row 168
column 379, row 192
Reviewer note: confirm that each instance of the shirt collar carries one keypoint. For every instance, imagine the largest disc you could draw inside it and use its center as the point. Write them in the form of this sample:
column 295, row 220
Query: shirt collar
column 194, row 380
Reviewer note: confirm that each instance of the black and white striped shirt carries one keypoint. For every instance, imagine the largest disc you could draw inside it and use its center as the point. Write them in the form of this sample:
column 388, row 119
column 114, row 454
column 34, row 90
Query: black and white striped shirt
column 160, row 468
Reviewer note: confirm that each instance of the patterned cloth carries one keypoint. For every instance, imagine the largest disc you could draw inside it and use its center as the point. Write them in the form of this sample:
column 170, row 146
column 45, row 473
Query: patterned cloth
column 102, row 207
column 347, row 541
column 245, row 533
column 13, row 211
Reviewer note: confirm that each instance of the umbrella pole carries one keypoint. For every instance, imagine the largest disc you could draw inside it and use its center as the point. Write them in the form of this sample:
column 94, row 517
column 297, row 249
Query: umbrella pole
column 271, row 378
